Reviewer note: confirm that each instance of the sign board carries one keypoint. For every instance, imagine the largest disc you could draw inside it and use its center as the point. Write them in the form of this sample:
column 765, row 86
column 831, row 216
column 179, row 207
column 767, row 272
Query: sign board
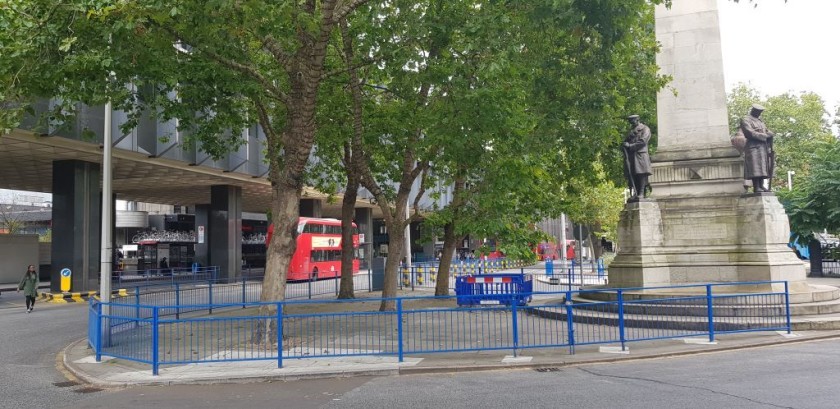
column 129, row 247
column 361, row 237
column 66, row 279
column 200, row 234
column 328, row 242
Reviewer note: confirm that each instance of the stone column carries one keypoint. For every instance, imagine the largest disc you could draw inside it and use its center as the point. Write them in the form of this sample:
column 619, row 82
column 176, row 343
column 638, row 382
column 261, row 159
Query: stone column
column 224, row 230
column 694, row 155
column 76, row 224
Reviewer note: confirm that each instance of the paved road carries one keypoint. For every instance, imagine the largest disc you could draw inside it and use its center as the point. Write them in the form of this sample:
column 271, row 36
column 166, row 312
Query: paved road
column 792, row 376
column 30, row 343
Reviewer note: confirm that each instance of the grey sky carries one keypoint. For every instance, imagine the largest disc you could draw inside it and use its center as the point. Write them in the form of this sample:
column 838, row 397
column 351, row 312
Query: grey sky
column 781, row 46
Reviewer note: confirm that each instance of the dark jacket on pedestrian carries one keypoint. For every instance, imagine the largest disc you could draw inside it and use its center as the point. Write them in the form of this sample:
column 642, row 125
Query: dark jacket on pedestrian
column 29, row 284
column 638, row 138
column 757, row 161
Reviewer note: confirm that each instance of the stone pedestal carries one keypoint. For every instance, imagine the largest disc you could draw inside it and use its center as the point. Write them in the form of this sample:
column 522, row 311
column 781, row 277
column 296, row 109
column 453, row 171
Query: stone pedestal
column 705, row 239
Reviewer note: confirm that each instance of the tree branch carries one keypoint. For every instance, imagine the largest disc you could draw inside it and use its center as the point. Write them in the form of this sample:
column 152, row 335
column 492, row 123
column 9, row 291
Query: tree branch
column 343, row 8
column 270, row 88
column 271, row 45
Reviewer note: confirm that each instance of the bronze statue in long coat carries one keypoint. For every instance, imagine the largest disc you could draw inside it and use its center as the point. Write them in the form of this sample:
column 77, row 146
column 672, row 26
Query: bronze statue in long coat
column 637, row 159
column 758, row 151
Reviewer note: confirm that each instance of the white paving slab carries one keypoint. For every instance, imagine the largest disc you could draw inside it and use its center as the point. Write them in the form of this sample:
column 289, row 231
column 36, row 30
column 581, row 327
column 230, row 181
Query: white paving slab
column 510, row 359
column 614, row 350
column 699, row 341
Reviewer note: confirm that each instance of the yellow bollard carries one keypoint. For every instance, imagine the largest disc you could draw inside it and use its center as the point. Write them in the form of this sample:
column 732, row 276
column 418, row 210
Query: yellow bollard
column 420, row 275
column 433, row 274
column 406, row 277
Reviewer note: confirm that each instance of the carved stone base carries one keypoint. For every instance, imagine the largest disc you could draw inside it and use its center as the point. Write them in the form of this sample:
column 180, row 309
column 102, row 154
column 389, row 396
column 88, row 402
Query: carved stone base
column 711, row 239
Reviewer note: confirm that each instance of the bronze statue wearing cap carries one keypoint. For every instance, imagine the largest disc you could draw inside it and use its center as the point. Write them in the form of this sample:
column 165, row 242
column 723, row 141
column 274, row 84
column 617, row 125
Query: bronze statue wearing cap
column 636, row 158
column 759, row 158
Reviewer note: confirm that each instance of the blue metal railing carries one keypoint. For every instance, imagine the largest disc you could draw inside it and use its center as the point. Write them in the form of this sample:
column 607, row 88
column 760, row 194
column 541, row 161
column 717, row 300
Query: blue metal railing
column 164, row 276
column 158, row 335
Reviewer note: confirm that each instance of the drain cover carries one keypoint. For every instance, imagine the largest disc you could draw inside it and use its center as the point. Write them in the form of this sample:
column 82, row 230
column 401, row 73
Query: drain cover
column 65, row 384
column 547, row 369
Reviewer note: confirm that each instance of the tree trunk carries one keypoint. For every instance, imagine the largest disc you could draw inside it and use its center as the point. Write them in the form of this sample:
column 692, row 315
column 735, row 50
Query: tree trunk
column 396, row 245
column 450, row 243
column 348, row 207
column 284, row 211
column 597, row 249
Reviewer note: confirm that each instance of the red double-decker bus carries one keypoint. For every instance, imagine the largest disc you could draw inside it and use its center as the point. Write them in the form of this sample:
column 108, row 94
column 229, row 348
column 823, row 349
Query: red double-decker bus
column 318, row 253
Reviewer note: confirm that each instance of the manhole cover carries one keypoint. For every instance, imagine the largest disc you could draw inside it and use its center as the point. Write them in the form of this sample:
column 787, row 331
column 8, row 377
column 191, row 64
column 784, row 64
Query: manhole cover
column 65, row 384
column 547, row 369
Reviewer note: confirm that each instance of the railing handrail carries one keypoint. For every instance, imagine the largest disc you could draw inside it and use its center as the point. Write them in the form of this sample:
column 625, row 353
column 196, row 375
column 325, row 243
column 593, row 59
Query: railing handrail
column 407, row 298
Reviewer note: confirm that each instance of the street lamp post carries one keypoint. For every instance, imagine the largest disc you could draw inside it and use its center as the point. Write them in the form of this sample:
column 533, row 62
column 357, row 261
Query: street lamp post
column 790, row 179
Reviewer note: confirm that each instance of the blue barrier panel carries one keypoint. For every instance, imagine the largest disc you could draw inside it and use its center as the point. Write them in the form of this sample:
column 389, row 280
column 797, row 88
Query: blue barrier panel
column 494, row 289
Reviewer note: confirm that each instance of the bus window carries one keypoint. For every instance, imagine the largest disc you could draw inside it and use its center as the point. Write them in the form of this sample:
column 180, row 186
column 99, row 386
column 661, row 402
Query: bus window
column 313, row 228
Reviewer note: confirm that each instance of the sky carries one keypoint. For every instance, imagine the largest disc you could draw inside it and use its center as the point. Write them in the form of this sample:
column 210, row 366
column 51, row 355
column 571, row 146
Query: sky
column 780, row 46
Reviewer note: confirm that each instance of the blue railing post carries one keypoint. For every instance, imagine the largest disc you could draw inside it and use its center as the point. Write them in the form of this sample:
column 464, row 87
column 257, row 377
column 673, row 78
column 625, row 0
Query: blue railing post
column 569, row 273
column 337, row 278
column 370, row 279
column 621, row 335
column 136, row 306
column 787, row 307
column 97, row 338
column 279, row 335
column 399, row 330
column 155, row 340
column 210, row 296
column 243, row 291
column 710, row 312
column 570, row 326
column 177, row 301
column 310, row 288
column 515, row 325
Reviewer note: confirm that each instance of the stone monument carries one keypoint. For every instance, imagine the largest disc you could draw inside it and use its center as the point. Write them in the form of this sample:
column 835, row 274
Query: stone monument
column 699, row 225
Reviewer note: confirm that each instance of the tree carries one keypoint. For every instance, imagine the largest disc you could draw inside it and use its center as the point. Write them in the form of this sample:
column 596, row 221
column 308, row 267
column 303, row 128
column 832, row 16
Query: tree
column 10, row 222
column 814, row 203
column 214, row 65
column 577, row 84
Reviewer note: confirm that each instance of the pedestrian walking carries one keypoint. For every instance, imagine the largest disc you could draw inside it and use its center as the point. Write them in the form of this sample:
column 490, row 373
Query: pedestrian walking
column 29, row 285
column 570, row 256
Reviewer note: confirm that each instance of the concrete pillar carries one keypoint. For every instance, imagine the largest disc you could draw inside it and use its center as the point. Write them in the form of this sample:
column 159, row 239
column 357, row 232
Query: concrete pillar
column 202, row 211
column 76, row 224
column 225, row 230
column 310, row 208
column 364, row 222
